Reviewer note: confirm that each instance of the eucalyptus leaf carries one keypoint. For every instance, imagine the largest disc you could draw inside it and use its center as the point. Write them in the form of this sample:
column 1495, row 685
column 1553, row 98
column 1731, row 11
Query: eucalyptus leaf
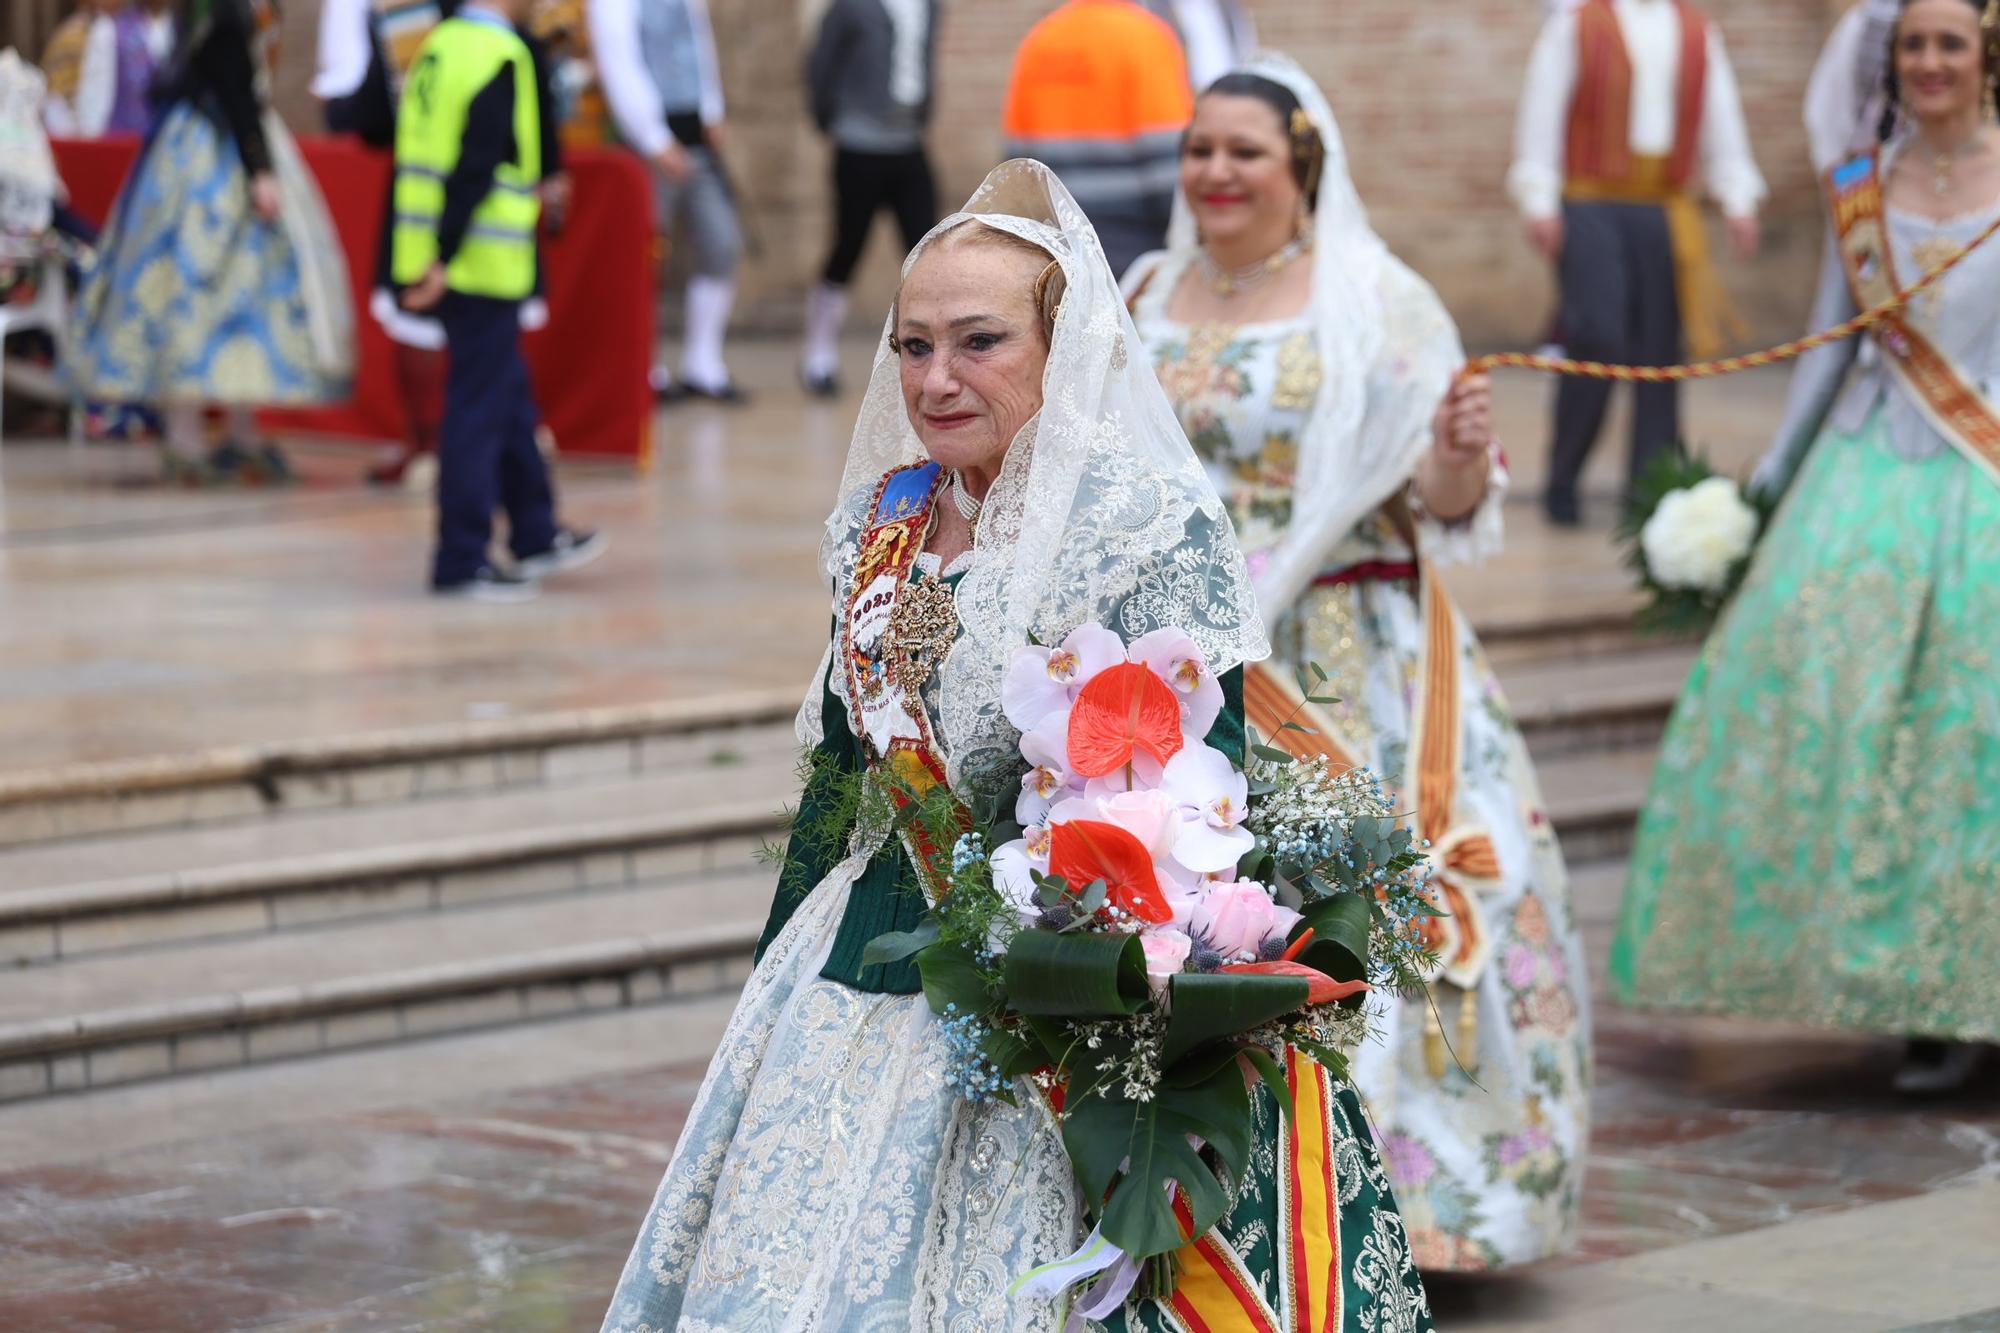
column 951, row 976
column 897, row 945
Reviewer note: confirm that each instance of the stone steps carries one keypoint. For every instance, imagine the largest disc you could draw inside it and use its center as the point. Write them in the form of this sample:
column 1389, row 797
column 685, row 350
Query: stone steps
column 240, row 964
column 241, row 783
column 225, row 1003
column 317, row 870
column 1582, row 682
column 233, row 908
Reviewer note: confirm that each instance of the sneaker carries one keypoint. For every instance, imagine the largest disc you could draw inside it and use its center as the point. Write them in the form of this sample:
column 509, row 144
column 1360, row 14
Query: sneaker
column 394, row 467
column 488, row 584
column 1934, row 1067
column 573, row 548
column 821, row 386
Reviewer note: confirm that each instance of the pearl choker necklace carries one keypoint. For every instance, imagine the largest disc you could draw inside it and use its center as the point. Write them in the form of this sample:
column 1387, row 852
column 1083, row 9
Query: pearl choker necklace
column 1235, row 281
column 961, row 498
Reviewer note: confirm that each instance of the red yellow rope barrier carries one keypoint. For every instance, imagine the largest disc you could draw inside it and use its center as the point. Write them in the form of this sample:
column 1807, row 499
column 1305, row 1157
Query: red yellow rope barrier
column 1728, row 365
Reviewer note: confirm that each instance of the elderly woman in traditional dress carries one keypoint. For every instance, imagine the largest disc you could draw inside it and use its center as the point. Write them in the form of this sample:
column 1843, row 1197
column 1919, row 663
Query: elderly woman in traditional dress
column 1314, row 374
column 1015, row 473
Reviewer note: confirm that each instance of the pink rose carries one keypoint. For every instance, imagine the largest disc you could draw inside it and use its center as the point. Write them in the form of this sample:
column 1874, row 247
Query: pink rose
column 1235, row 918
column 1166, row 954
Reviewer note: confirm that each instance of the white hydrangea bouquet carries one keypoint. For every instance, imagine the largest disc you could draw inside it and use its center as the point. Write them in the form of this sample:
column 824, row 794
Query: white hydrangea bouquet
column 1689, row 536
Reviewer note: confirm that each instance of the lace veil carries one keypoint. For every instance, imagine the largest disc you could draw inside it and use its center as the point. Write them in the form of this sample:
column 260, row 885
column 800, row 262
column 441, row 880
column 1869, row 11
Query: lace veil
column 1387, row 352
column 1101, row 510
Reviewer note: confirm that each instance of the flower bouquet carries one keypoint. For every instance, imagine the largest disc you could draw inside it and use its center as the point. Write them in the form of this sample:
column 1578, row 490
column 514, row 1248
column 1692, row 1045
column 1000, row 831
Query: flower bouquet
column 1689, row 535
column 1147, row 929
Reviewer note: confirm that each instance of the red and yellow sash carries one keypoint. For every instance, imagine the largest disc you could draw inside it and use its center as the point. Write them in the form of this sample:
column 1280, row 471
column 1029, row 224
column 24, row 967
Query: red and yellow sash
column 1216, row 1292
column 887, row 716
column 1948, row 397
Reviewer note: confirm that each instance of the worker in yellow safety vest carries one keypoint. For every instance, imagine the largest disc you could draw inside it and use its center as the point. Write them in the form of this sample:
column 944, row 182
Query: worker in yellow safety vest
column 467, row 201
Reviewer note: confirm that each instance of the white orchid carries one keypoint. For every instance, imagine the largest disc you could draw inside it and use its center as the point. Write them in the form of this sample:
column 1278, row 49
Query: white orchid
column 1213, row 799
column 1042, row 681
column 1177, row 660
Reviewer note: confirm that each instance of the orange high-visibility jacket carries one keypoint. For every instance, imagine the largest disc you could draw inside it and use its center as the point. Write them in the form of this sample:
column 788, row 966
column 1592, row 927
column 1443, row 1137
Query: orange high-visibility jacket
column 1100, row 93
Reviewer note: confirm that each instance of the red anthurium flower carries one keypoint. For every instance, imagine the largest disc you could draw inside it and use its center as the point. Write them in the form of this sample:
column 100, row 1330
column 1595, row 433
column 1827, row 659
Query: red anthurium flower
column 1084, row 851
column 1124, row 709
column 1323, row 989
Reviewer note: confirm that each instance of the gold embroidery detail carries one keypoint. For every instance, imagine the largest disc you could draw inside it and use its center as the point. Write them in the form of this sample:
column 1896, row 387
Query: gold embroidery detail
column 920, row 632
column 1299, row 374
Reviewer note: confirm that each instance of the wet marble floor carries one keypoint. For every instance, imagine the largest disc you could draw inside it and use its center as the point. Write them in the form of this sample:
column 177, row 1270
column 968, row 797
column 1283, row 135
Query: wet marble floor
column 512, row 1209
column 137, row 621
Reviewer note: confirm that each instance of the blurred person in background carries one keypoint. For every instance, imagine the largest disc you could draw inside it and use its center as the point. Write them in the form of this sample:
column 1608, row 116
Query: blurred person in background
column 657, row 65
column 1317, row 377
column 869, row 78
column 62, row 64
column 365, row 53
column 1099, row 92
column 469, row 143
column 1216, row 35
column 220, row 277
column 127, row 47
column 1624, row 101
column 1821, row 842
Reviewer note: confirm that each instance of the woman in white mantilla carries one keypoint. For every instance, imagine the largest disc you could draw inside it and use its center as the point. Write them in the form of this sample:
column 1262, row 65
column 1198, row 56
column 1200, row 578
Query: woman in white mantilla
column 1015, row 472
column 1314, row 374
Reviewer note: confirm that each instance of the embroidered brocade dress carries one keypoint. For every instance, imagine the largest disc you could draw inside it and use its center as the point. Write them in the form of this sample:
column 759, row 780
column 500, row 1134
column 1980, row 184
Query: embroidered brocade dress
column 1488, row 1173
column 1822, row 839
column 828, row 1179
column 195, row 297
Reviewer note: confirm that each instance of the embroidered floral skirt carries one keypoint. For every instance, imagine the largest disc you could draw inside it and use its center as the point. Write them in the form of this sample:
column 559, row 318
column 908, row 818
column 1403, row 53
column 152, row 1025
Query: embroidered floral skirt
column 1822, row 839
column 828, row 1179
column 196, row 298
column 1487, row 1158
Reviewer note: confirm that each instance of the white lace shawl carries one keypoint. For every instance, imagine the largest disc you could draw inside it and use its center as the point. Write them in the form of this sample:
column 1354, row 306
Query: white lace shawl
column 1101, row 510
column 1387, row 351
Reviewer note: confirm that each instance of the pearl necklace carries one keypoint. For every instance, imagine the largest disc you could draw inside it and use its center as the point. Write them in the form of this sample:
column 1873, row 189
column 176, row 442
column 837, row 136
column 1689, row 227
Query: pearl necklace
column 962, row 499
column 1231, row 282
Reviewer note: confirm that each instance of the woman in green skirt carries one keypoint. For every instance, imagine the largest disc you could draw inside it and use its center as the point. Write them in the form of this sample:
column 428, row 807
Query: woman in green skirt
column 1822, row 839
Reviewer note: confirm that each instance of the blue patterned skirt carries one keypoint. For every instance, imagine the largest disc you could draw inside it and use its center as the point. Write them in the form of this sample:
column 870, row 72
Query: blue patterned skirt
column 197, row 298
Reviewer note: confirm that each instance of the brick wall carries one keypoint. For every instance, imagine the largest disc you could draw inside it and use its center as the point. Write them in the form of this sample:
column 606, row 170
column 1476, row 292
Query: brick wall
column 1425, row 93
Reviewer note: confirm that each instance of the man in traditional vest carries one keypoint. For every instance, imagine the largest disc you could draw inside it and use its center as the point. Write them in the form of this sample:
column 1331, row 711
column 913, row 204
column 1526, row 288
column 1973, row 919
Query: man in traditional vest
column 467, row 201
column 657, row 65
column 1625, row 101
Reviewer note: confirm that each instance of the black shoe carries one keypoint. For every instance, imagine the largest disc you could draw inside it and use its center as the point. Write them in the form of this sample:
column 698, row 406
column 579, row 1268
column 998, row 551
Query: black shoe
column 573, row 548
column 488, row 584
column 1931, row 1068
column 821, row 386
column 1562, row 510
column 728, row 395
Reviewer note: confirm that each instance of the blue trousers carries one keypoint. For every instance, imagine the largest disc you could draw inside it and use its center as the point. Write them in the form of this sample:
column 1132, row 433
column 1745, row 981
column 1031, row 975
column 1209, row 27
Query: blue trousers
column 487, row 457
